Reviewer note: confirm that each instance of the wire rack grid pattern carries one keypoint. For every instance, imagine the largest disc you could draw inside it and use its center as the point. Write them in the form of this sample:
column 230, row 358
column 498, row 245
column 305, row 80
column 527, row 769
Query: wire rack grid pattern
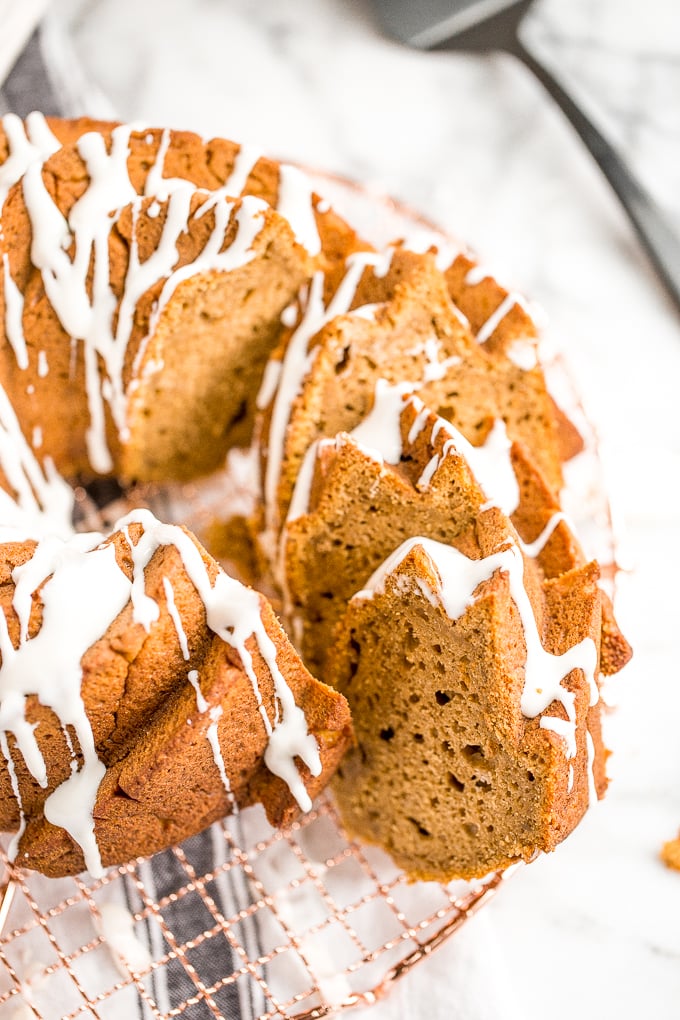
column 310, row 924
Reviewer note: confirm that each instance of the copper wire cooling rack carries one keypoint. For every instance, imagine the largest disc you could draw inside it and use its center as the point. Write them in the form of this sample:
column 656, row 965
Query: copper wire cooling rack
column 299, row 923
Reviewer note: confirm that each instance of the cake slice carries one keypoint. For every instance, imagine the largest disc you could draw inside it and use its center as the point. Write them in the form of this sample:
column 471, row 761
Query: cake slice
column 151, row 375
column 358, row 500
column 392, row 320
column 477, row 740
column 397, row 324
column 204, row 755
column 505, row 324
column 107, row 648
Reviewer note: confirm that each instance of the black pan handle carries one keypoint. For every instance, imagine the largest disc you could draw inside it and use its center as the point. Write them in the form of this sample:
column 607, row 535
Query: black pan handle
column 660, row 241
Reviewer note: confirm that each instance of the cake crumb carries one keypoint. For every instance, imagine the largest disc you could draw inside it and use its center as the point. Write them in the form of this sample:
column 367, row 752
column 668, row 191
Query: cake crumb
column 670, row 853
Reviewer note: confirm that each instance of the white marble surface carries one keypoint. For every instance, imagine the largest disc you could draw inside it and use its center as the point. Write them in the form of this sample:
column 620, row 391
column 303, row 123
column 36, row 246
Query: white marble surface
column 593, row 930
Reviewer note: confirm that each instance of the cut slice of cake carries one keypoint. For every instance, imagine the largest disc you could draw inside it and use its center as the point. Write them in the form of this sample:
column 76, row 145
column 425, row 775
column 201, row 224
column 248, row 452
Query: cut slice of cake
column 395, row 322
column 392, row 320
column 505, row 324
column 107, row 648
column 206, row 752
column 477, row 740
column 151, row 374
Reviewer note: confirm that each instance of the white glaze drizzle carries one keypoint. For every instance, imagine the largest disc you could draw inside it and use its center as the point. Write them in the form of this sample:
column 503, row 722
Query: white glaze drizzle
column 156, row 185
column 423, row 413
column 368, row 312
column 296, row 364
column 384, row 264
column 565, row 728
column 193, row 678
column 214, row 741
column 26, row 143
column 176, row 618
column 299, row 504
column 88, row 227
column 475, row 275
column 508, row 302
column 523, row 353
column 269, row 384
column 380, row 430
column 289, row 315
column 495, row 319
column 244, row 164
column 490, row 464
column 535, row 548
column 193, row 674
column 459, row 578
column 14, row 310
column 43, row 502
column 49, row 665
column 295, row 203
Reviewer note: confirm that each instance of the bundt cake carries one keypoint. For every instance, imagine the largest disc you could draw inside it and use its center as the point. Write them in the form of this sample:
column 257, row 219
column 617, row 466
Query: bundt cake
column 166, row 298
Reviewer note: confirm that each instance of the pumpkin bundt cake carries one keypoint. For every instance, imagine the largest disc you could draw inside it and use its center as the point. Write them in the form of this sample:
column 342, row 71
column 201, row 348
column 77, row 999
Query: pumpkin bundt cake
column 164, row 299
